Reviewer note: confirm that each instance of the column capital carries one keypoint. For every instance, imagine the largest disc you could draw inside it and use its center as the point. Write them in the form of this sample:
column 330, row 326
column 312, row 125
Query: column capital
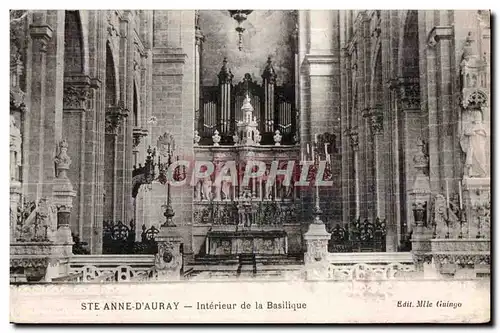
column 41, row 31
column 42, row 34
column 76, row 92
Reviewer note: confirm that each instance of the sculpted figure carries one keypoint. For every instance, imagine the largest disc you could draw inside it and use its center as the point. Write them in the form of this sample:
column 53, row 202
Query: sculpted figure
column 473, row 143
column 206, row 189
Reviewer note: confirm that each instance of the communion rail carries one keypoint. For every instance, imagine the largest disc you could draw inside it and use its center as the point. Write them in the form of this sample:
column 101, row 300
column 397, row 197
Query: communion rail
column 112, row 268
column 371, row 266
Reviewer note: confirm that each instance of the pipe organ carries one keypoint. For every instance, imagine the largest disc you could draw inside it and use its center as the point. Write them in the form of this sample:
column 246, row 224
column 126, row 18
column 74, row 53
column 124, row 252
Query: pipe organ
column 274, row 107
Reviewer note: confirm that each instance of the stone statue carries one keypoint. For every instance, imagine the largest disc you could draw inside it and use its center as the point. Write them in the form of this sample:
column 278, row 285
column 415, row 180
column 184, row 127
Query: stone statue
column 206, row 189
column 441, row 215
column 236, row 138
column 473, row 143
column 197, row 191
column 47, row 214
column 217, row 184
column 268, row 188
column 226, row 188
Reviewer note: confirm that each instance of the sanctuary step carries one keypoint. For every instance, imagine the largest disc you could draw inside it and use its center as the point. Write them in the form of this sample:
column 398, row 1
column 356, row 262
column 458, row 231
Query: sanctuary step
column 262, row 266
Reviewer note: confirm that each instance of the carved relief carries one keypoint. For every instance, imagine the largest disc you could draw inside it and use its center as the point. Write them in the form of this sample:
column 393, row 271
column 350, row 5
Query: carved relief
column 36, row 222
column 408, row 89
column 168, row 256
column 75, row 97
column 353, row 134
column 115, row 116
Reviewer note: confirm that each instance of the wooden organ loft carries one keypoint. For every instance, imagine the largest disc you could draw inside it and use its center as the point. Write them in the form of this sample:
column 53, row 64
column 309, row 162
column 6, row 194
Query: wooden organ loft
column 274, row 107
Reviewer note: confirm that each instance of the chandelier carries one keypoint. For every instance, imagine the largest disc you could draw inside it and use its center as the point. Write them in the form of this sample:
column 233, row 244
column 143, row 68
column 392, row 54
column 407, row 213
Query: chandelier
column 240, row 16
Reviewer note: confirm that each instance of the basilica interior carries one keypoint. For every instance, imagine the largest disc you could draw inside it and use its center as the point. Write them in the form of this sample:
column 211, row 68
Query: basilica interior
column 396, row 104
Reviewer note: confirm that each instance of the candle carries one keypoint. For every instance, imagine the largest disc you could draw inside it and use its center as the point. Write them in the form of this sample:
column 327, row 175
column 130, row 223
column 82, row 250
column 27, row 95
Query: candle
column 460, row 194
column 308, row 150
column 316, row 138
column 254, row 188
column 447, row 194
column 301, row 155
column 326, row 149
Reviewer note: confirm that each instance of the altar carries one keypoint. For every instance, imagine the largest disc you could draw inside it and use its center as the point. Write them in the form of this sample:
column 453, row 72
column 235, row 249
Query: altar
column 222, row 242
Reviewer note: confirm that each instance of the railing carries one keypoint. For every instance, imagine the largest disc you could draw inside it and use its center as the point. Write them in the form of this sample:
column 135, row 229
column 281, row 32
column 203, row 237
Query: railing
column 70, row 278
column 113, row 268
column 358, row 236
column 371, row 266
column 119, row 238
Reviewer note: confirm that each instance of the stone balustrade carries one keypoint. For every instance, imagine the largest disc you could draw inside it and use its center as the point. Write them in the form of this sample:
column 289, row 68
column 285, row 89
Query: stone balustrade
column 118, row 268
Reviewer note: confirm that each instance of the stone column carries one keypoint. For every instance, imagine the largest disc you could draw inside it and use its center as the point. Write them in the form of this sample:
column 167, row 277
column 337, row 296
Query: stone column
column 75, row 105
column 323, row 60
column 390, row 27
column 197, row 69
column 376, row 120
column 354, row 140
column 41, row 33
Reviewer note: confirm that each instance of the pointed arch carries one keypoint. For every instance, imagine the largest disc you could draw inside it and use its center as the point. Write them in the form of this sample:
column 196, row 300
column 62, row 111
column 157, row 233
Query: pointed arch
column 112, row 87
column 75, row 44
column 409, row 45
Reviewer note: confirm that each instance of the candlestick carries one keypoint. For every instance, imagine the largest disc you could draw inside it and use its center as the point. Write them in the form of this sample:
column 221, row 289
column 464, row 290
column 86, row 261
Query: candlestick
column 460, row 194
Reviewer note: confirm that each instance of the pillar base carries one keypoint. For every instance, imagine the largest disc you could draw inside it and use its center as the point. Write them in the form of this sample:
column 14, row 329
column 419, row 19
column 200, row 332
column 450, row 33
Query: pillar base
column 315, row 259
column 168, row 260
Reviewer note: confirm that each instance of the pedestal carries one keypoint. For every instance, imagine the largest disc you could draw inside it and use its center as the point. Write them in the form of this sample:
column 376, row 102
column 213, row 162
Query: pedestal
column 477, row 197
column 315, row 259
column 477, row 190
column 168, row 260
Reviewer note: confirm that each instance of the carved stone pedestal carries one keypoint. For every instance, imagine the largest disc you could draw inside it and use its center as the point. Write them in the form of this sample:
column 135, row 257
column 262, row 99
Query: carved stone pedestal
column 168, row 260
column 315, row 259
